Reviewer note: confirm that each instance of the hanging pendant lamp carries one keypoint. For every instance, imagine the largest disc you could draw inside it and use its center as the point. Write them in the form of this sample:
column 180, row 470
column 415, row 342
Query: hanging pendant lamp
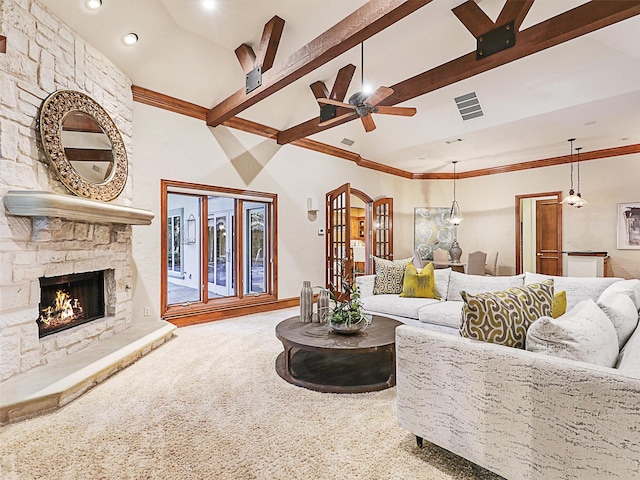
column 581, row 202
column 572, row 198
column 455, row 215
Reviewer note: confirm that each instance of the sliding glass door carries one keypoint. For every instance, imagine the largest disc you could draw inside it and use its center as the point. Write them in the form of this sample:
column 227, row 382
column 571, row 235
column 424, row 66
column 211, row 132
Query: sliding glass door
column 223, row 235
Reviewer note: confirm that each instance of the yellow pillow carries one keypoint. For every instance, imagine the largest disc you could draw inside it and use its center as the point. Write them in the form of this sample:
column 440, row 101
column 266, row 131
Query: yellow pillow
column 559, row 303
column 419, row 284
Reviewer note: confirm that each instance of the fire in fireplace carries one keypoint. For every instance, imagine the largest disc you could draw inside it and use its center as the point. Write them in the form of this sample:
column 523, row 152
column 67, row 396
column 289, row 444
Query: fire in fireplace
column 70, row 300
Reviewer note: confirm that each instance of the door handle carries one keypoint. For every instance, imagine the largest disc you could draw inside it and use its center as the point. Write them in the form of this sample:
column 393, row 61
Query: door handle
column 539, row 254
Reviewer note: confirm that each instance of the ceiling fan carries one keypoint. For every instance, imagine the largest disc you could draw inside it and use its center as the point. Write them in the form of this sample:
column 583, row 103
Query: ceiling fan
column 362, row 105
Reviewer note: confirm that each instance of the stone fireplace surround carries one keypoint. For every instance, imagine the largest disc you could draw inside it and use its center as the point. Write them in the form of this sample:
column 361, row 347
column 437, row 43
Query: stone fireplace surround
column 41, row 374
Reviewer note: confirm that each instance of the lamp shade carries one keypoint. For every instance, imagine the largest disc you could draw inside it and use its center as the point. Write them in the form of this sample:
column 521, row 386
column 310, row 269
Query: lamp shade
column 455, row 215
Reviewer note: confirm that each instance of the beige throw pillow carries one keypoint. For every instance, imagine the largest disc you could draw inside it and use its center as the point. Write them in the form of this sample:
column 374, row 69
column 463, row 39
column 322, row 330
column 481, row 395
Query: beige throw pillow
column 584, row 333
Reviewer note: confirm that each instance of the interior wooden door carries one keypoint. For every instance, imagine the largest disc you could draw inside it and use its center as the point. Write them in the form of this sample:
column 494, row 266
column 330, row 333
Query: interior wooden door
column 382, row 231
column 339, row 259
column 548, row 250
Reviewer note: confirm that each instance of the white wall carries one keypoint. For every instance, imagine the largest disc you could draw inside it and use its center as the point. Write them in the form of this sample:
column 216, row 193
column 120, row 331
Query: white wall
column 488, row 205
column 176, row 147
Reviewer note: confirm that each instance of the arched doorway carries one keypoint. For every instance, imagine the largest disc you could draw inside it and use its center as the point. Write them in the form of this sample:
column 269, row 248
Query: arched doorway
column 357, row 229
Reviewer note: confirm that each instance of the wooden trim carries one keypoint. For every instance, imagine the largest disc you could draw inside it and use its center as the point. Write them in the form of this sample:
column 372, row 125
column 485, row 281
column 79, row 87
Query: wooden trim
column 235, row 311
column 373, row 17
column 558, row 195
column 155, row 99
column 547, row 162
column 269, row 42
column 3, row 44
column 166, row 102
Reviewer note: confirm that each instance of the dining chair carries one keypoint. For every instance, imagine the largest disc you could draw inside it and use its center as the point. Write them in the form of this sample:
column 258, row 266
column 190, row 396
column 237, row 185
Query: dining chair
column 491, row 267
column 440, row 255
column 476, row 263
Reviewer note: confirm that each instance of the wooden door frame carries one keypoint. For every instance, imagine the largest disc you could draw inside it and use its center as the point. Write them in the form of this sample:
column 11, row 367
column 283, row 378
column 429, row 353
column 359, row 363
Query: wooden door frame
column 519, row 198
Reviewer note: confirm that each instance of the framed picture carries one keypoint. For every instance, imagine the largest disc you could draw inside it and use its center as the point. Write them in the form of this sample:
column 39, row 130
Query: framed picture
column 432, row 230
column 629, row 226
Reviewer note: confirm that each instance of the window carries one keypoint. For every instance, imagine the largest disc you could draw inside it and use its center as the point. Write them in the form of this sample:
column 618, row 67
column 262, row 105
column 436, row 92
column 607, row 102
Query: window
column 223, row 235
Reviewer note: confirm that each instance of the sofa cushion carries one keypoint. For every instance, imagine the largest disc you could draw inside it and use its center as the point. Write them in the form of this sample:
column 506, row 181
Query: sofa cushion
column 584, row 333
column 578, row 288
column 442, row 313
column 622, row 312
column 420, row 284
column 628, row 287
column 629, row 358
column 559, row 306
column 477, row 283
column 503, row 317
column 389, row 275
column 395, row 305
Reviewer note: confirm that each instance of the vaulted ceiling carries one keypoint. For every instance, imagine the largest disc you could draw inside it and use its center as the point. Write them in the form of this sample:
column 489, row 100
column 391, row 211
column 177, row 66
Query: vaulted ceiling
column 587, row 87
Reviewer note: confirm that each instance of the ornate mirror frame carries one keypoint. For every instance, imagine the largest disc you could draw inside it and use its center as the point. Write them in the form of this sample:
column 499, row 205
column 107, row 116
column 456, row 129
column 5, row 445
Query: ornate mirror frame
column 52, row 114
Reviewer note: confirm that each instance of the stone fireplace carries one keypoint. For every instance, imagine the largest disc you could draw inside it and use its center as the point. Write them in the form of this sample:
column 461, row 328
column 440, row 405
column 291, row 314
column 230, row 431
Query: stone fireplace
column 47, row 233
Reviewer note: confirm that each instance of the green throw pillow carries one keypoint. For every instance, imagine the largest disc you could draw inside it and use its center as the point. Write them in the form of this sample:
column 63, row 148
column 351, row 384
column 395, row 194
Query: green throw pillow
column 419, row 284
column 389, row 275
column 559, row 303
column 504, row 317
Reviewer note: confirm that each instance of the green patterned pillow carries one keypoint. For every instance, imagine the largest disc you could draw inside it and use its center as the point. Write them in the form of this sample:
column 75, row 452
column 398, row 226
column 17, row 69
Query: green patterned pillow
column 389, row 275
column 419, row 284
column 504, row 317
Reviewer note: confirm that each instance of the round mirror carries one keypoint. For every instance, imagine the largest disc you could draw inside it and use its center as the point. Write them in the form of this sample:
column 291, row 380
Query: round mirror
column 87, row 147
column 83, row 145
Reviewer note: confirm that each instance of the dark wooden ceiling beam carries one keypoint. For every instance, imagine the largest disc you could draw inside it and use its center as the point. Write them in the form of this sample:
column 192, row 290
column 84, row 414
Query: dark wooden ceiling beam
column 343, row 80
column 271, row 36
column 371, row 18
column 514, row 10
column 574, row 23
column 246, row 57
column 319, row 90
column 474, row 18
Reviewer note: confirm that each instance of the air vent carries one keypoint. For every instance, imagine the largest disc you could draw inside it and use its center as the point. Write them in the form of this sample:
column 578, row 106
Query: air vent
column 347, row 141
column 469, row 106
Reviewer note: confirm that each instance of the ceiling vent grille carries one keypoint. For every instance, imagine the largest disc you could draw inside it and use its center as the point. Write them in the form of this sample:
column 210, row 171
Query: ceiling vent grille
column 347, row 141
column 469, row 106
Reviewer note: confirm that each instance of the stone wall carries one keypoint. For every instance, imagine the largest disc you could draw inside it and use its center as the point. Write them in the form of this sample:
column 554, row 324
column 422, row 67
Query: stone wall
column 43, row 56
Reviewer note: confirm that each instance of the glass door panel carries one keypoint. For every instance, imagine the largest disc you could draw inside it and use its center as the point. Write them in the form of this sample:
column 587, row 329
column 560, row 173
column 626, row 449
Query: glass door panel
column 255, row 271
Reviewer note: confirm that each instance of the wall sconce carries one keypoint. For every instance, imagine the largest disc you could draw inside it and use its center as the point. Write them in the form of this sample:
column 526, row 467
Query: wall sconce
column 191, row 230
column 312, row 204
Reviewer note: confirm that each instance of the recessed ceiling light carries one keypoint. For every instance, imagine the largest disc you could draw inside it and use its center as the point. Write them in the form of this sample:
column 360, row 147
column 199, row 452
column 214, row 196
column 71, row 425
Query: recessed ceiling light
column 93, row 4
column 209, row 4
column 130, row 39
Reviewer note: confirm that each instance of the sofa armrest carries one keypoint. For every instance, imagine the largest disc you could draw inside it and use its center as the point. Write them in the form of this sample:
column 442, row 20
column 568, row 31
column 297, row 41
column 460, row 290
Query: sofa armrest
column 523, row 415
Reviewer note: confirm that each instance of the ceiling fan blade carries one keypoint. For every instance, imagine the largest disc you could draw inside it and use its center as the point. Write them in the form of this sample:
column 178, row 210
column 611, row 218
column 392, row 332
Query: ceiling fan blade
column 329, row 101
column 380, row 94
column 402, row 111
column 368, row 123
column 335, row 119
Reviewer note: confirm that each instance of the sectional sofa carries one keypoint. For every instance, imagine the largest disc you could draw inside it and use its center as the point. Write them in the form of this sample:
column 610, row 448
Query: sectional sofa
column 569, row 409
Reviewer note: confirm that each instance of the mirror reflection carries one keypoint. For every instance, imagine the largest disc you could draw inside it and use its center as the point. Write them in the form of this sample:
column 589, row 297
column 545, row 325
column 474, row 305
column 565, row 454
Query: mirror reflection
column 87, row 147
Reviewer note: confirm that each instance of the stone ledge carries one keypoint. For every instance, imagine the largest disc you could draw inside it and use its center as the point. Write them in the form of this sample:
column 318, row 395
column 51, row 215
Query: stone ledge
column 29, row 203
column 48, row 388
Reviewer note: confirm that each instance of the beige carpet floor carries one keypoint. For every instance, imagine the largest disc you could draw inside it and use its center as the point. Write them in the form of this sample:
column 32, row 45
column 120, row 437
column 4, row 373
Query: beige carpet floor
column 209, row 405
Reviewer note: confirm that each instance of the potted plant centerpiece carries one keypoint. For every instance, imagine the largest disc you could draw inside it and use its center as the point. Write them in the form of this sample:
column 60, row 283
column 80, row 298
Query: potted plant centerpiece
column 347, row 315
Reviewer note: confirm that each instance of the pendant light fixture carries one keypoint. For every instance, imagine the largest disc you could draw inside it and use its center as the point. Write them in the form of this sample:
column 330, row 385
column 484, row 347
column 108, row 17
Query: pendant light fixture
column 455, row 216
column 572, row 198
column 581, row 202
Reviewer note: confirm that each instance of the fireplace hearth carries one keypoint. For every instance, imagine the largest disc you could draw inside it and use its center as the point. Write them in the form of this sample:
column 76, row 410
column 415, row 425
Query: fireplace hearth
column 70, row 300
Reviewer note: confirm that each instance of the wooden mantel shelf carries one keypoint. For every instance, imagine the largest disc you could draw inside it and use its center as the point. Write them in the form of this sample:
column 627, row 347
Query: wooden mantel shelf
column 31, row 203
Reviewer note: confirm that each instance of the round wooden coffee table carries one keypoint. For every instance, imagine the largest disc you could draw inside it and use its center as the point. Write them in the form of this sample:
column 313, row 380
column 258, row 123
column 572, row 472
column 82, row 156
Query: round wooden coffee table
column 320, row 360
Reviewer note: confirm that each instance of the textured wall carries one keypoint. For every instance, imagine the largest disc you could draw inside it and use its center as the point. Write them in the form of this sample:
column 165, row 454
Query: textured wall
column 43, row 56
